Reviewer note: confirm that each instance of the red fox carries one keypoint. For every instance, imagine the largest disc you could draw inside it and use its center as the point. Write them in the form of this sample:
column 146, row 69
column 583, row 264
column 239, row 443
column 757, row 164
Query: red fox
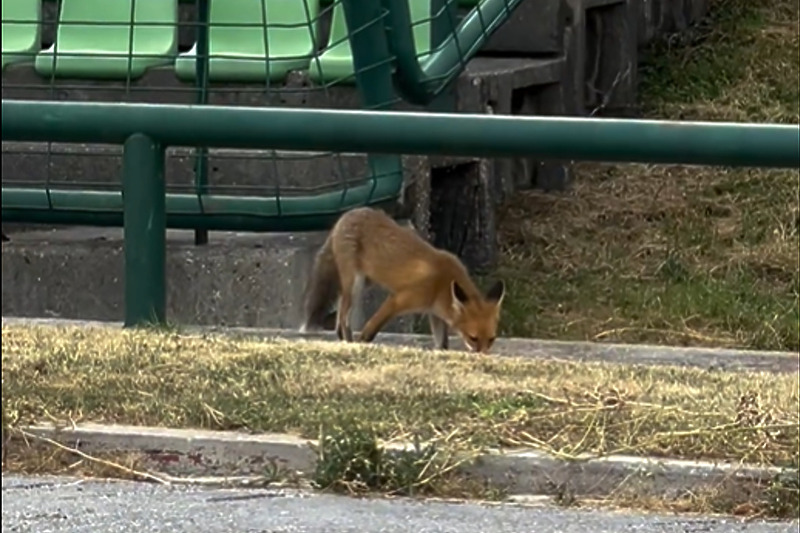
column 367, row 244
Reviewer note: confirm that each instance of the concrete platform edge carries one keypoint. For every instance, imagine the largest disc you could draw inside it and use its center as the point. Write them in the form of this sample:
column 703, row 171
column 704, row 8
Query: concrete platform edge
column 224, row 458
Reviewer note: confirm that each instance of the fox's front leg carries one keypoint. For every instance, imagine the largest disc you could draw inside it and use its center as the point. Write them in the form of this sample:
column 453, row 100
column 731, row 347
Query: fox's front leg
column 393, row 306
column 439, row 331
column 384, row 313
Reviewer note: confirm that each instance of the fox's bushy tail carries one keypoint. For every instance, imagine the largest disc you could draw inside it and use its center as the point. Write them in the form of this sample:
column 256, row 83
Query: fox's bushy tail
column 322, row 289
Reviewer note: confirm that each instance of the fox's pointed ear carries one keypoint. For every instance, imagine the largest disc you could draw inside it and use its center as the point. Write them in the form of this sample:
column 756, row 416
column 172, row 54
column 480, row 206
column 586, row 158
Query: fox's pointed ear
column 496, row 293
column 459, row 296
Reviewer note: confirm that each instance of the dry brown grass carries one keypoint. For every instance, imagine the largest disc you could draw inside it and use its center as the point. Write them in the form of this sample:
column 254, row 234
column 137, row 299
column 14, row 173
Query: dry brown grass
column 777, row 499
column 168, row 379
column 28, row 456
column 354, row 397
column 675, row 254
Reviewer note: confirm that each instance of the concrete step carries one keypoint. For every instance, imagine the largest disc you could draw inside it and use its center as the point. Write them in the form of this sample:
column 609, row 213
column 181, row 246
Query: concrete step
column 237, row 279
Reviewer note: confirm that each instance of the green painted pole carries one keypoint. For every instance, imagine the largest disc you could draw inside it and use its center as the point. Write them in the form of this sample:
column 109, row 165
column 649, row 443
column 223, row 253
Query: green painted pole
column 391, row 132
column 372, row 65
column 420, row 81
column 201, row 72
column 442, row 27
column 144, row 218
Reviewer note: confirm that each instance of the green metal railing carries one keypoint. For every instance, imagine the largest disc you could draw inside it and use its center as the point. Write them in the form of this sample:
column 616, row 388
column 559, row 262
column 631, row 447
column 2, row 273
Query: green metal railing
column 145, row 209
column 201, row 71
column 385, row 59
column 420, row 81
column 372, row 40
column 143, row 206
column 394, row 132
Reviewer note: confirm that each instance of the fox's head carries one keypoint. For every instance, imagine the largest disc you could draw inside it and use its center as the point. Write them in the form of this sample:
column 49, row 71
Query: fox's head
column 476, row 317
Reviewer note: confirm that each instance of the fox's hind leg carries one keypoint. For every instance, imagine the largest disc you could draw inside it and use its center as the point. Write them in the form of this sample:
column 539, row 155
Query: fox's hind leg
column 351, row 281
column 340, row 326
column 343, row 330
column 352, row 287
column 439, row 331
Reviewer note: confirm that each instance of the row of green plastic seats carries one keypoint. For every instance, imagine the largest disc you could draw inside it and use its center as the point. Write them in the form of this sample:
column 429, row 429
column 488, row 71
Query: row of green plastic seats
column 95, row 39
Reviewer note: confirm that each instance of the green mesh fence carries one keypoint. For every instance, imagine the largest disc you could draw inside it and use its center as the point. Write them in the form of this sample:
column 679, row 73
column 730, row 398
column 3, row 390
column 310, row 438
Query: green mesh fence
column 308, row 53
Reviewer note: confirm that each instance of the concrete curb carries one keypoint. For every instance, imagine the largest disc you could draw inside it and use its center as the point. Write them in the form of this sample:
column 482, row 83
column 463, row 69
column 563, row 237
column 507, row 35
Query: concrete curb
column 224, row 457
column 705, row 358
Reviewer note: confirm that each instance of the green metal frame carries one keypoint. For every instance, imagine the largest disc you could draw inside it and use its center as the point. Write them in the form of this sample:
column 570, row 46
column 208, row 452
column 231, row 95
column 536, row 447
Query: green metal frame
column 384, row 57
column 421, row 82
column 201, row 72
column 394, row 132
column 373, row 67
column 145, row 130
column 189, row 211
column 144, row 213
column 143, row 207
column 374, row 74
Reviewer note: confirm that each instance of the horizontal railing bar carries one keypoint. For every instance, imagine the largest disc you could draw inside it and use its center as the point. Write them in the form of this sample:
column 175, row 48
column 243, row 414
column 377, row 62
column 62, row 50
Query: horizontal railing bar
column 391, row 132
column 181, row 204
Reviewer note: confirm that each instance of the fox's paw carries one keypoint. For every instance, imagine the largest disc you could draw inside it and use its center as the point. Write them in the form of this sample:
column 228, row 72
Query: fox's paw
column 344, row 334
column 366, row 337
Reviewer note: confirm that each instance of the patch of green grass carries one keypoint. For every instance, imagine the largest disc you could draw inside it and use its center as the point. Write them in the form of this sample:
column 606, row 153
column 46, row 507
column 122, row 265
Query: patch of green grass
column 735, row 310
column 674, row 254
column 783, row 495
column 740, row 64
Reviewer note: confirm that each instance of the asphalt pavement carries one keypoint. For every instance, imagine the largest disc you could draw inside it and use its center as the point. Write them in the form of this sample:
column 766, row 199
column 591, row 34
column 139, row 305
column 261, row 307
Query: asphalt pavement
column 66, row 505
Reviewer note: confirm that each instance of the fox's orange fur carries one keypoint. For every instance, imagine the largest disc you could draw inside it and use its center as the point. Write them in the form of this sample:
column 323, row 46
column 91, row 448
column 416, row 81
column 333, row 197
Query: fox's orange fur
column 367, row 244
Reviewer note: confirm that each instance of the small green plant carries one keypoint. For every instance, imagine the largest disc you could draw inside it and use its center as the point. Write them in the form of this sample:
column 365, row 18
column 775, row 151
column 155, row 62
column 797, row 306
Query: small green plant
column 783, row 494
column 351, row 459
column 348, row 457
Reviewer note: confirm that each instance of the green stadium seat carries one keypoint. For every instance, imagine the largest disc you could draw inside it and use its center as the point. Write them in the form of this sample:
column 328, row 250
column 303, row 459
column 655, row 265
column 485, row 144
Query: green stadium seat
column 335, row 64
column 255, row 53
column 21, row 38
column 107, row 48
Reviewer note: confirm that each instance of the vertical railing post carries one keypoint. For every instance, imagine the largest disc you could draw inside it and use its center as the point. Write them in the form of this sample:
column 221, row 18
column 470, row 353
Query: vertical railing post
column 372, row 63
column 201, row 73
column 373, row 68
column 442, row 27
column 145, row 220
